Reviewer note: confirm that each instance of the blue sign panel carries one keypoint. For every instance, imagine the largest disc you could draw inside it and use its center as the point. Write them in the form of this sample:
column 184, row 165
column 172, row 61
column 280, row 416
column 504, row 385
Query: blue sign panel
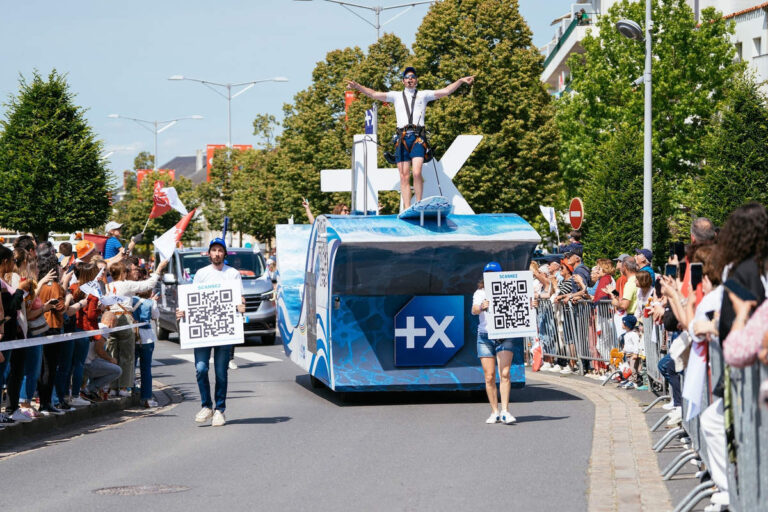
column 429, row 330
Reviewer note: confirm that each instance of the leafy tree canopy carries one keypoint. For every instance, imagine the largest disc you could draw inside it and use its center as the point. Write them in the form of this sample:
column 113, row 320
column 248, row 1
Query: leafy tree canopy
column 51, row 173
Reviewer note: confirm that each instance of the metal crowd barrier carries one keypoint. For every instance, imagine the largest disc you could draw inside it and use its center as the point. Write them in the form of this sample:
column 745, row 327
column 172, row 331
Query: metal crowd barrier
column 748, row 478
column 653, row 338
column 582, row 332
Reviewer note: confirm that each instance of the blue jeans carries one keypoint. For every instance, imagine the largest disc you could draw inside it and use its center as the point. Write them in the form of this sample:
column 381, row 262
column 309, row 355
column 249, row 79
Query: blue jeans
column 63, row 371
column 33, row 361
column 667, row 369
column 100, row 373
column 78, row 363
column 489, row 348
column 220, row 367
column 144, row 352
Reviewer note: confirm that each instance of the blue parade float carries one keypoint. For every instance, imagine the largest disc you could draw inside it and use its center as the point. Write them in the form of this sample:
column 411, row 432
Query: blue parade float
column 381, row 303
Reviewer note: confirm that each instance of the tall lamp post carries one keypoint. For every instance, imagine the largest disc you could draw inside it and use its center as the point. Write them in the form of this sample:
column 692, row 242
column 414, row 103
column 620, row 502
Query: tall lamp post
column 154, row 126
column 632, row 30
column 229, row 96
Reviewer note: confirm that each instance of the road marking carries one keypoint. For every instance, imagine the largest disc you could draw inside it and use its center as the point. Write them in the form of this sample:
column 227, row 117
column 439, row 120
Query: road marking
column 253, row 357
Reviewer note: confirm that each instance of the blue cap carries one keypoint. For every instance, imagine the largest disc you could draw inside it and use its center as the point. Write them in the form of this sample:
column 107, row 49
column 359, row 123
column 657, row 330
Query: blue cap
column 219, row 241
column 410, row 69
column 630, row 321
column 492, row 267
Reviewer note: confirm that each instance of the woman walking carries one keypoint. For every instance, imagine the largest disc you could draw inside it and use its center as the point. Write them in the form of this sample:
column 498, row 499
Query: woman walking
column 492, row 352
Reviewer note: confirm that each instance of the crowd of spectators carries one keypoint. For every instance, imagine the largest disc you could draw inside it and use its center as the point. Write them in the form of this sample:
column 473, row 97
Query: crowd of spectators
column 709, row 296
column 47, row 293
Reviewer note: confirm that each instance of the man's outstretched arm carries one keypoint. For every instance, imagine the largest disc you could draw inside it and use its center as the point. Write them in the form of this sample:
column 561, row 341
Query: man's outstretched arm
column 376, row 95
column 445, row 91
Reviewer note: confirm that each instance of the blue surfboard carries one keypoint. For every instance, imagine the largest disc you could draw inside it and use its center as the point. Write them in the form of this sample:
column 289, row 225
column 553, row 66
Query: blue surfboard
column 430, row 207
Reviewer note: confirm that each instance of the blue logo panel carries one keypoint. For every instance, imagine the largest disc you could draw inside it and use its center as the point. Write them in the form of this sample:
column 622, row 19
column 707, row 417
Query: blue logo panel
column 429, row 330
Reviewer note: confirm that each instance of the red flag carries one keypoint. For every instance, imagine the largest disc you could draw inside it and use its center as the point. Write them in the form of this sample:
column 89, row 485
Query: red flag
column 160, row 201
column 168, row 240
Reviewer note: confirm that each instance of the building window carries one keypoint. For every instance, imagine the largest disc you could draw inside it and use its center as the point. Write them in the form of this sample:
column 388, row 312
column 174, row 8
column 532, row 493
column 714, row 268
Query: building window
column 739, row 56
column 757, row 43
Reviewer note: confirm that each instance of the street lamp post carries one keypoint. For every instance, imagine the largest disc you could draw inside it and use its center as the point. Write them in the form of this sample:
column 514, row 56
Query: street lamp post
column 154, row 126
column 377, row 10
column 632, row 30
column 229, row 96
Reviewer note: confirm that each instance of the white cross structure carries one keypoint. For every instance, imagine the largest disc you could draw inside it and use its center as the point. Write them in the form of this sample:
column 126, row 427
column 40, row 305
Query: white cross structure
column 438, row 174
column 410, row 332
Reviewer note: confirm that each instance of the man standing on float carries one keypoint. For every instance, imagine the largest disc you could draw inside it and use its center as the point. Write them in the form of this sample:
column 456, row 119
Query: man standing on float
column 410, row 106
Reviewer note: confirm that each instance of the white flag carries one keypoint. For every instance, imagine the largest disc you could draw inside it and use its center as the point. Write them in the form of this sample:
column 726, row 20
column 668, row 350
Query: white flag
column 166, row 243
column 549, row 213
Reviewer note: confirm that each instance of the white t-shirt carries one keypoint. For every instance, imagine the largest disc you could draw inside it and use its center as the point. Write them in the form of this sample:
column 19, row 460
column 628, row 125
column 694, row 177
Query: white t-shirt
column 478, row 299
column 631, row 342
column 419, row 106
column 92, row 348
column 209, row 274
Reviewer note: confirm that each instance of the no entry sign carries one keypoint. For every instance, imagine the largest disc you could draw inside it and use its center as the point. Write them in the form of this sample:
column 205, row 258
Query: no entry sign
column 576, row 212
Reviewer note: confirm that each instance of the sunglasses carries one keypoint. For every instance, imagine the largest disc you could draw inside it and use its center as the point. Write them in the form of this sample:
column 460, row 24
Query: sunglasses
column 410, row 77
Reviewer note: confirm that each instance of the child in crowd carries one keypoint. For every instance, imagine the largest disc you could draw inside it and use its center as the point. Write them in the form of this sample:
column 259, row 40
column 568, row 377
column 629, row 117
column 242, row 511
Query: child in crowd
column 631, row 340
column 145, row 310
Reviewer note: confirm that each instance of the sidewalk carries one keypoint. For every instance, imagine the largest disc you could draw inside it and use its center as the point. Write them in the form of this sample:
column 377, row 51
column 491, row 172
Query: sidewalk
column 623, row 469
column 47, row 426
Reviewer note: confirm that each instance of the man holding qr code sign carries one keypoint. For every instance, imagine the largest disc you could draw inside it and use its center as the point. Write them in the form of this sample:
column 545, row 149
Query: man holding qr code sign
column 215, row 273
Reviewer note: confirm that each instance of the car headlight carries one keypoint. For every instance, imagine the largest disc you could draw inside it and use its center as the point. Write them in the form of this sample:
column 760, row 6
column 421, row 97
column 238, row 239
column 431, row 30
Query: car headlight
column 270, row 295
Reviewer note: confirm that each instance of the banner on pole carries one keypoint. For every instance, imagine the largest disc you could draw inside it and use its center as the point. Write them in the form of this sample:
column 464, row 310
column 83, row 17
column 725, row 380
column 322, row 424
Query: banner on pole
column 510, row 297
column 211, row 317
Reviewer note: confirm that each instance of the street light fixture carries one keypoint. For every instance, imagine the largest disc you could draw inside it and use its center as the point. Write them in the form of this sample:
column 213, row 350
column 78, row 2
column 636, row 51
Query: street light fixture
column 377, row 10
column 155, row 126
column 229, row 96
column 632, row 30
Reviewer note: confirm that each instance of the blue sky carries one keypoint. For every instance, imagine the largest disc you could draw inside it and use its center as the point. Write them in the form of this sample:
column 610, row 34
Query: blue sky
column 118, row 56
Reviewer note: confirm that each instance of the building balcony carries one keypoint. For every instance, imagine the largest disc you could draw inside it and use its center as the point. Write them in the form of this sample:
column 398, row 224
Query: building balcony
column 559, row 49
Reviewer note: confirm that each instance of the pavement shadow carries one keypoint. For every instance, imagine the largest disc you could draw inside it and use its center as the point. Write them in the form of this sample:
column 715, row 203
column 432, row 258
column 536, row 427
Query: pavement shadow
column 259, row 421
column 539, row 417
column 532, row 393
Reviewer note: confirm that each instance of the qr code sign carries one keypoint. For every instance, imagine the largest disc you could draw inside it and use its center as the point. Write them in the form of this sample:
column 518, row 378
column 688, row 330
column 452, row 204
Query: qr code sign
column 206, row 316
column 511, row 304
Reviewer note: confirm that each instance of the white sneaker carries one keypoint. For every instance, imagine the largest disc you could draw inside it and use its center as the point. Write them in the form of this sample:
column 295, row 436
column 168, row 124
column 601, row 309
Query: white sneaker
column 507, row 418
column 675, row 417
column 149, row 404
column 493, row 418
column 546, row 366
column 232, row 366
column 668, row 406
column 124, row 393
column 204, row 415
column 218, row 419
column 556, row 368
column 20, row 416
column 567, row 370
column 79, row 402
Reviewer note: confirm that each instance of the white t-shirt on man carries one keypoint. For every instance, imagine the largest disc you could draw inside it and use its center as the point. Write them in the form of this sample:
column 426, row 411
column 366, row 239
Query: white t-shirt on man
column 419, row 106
column 209, row 274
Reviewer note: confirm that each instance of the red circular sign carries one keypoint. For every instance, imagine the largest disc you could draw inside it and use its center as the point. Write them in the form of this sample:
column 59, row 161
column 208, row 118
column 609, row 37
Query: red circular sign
column 576, row 213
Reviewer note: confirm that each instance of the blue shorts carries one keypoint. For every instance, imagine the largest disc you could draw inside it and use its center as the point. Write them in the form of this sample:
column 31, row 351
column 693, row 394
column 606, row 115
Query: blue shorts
column 489, row 348
column 417, row 150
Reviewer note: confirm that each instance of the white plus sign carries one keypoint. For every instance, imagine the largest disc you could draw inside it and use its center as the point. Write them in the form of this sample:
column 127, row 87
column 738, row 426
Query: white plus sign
column 410, row 332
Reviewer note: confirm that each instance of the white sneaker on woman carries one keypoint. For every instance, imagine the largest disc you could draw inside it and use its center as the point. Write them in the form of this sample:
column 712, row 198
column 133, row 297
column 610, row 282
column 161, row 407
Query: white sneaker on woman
column 493, row 418
column 507, row 418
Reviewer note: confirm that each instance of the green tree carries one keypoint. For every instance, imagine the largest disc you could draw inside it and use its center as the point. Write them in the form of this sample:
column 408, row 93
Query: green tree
column 256, row 199
column 515, row 168
column 51, row 173
column 133, row 211
column 264, row 126
column 736, row 169
column 144, row 160
column 693, row 67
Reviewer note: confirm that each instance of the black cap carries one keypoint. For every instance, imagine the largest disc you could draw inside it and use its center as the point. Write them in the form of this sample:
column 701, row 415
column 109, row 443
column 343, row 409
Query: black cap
column 410, row 69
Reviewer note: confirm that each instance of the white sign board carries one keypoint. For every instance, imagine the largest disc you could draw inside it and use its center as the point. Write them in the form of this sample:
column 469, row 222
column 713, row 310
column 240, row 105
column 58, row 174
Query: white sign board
column 211, row 315
column 510, row 295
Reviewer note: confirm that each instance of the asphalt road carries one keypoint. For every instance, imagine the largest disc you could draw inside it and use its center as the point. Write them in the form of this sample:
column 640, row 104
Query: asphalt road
column 287, row 446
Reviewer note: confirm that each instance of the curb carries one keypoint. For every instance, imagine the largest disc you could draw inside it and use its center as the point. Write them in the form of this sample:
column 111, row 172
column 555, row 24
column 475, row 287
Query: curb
column 165, row 395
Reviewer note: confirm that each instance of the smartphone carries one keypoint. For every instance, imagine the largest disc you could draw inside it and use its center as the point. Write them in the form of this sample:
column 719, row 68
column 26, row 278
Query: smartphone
column 670, row 270
column 681, row 269
column 658, row 287
column 53, row 301
column 679, row 249
column 739, row 290
column 697, row 273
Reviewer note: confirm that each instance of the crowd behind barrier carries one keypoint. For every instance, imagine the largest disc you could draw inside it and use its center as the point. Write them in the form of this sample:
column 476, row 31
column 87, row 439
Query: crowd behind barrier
column 726, row 438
